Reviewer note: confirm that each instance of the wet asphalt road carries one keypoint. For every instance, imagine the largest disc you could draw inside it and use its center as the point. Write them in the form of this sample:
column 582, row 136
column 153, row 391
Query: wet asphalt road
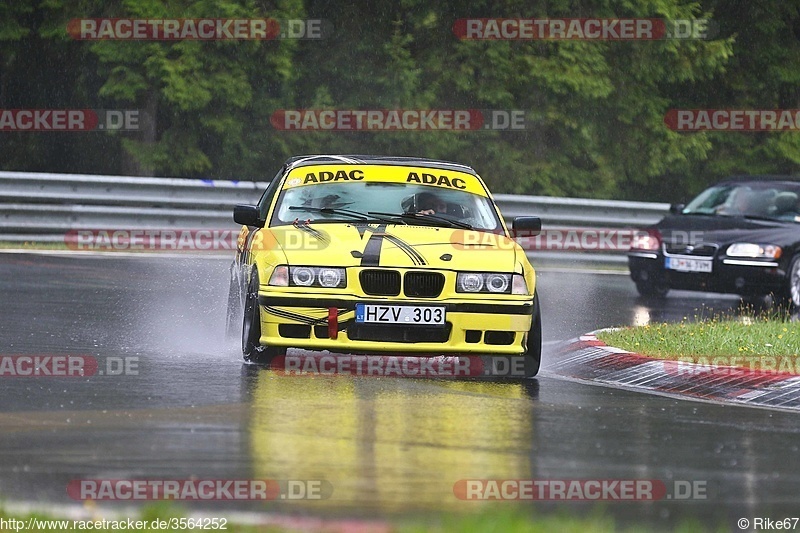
column 388, row 446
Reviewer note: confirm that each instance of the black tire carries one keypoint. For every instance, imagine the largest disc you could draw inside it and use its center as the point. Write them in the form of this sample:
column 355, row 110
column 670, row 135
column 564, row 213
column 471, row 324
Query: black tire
column 533, row 341
column 792, row 295
column 234, row 311
column 252, row 350
column 650, row 289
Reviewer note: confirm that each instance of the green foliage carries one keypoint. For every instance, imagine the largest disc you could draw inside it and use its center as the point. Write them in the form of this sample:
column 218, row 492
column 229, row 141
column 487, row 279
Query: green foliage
column 594, row 109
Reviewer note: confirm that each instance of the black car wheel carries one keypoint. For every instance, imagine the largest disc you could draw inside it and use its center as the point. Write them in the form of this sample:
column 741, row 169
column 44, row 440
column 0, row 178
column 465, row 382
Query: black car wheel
column 533, row 344
column 794, row 282
column 252, row 349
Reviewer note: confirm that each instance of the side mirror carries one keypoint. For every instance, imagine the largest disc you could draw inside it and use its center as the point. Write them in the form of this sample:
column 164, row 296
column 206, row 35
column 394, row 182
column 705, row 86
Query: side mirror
column 676, row 209
column 247, row 215
column 526, row 226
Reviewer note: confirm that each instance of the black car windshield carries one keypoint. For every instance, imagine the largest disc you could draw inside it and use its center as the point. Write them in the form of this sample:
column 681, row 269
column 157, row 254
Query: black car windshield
column 337, row 202
column 771, row 200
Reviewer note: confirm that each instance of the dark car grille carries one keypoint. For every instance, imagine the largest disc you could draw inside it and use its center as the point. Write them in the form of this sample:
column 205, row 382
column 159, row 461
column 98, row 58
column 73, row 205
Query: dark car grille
column 394, row 333
column 700, row 250
column 423, row 284
column 380, row 282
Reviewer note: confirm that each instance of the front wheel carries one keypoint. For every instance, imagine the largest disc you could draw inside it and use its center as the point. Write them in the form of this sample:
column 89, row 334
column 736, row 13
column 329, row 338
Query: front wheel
column 252, row 349
column 793, row 284
column 533, row 342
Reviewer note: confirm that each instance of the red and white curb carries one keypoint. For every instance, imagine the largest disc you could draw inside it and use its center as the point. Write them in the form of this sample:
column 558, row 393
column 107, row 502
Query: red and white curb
column 589, row 359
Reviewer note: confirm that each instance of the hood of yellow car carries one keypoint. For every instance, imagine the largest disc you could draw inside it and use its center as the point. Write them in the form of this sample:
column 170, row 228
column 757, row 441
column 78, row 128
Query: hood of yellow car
column 391, row 245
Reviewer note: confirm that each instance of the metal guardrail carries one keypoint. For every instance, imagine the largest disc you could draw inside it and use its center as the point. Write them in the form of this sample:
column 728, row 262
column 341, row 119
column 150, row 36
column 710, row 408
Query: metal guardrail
column 41, row 207
column 582, row 212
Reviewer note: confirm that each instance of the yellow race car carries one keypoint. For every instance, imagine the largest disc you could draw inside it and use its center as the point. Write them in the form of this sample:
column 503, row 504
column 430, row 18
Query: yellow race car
column 382, row 255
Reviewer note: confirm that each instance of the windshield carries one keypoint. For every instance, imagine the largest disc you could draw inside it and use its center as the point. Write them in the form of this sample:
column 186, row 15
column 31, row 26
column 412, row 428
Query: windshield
column 772, row 200
column 338, row 202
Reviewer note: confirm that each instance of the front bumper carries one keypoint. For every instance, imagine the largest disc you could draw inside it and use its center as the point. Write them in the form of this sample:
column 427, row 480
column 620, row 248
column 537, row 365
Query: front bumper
column 728, row 275
column 472, row 327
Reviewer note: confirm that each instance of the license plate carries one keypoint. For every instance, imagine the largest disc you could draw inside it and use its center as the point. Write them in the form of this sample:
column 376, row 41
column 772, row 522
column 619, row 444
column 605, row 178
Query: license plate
column 400, row 314
column 688, row 265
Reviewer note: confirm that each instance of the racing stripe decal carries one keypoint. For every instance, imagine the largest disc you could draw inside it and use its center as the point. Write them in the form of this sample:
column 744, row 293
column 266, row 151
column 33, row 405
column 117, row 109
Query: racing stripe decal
column 317, row 234
column 311, row 321
column 294, row 316
column 409, row 250
column 371, row 255
column 372, row 251
column 320, row 236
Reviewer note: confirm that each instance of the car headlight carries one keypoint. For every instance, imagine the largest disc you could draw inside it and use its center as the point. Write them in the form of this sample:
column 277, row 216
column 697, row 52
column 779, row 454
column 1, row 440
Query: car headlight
column 330, row 277
column 518, row 285
column 469, row 282
column 280, row 276
column 749, row 249
column 646, row 240
column 490, row 282
column 497, row 282
column 307, row 276
column 302, row 276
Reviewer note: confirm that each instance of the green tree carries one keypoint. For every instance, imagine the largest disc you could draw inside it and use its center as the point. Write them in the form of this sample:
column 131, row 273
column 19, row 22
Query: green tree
column 763, row 73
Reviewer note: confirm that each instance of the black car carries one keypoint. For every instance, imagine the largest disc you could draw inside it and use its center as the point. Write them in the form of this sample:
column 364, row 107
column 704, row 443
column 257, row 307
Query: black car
column 741, row 236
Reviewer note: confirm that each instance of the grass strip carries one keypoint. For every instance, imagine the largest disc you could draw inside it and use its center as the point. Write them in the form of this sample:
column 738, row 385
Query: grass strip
column 768, row 342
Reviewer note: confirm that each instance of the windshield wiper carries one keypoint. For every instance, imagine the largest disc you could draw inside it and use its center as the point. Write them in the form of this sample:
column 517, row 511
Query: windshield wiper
column 338, row 211
column 417, row 216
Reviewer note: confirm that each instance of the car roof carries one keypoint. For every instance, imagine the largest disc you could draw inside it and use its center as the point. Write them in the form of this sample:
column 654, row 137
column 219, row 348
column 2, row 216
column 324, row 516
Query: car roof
column 326, row 159
column 738, row 180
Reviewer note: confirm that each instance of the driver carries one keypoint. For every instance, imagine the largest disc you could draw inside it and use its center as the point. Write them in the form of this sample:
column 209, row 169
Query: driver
column 430, row 204
column 739, row 202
